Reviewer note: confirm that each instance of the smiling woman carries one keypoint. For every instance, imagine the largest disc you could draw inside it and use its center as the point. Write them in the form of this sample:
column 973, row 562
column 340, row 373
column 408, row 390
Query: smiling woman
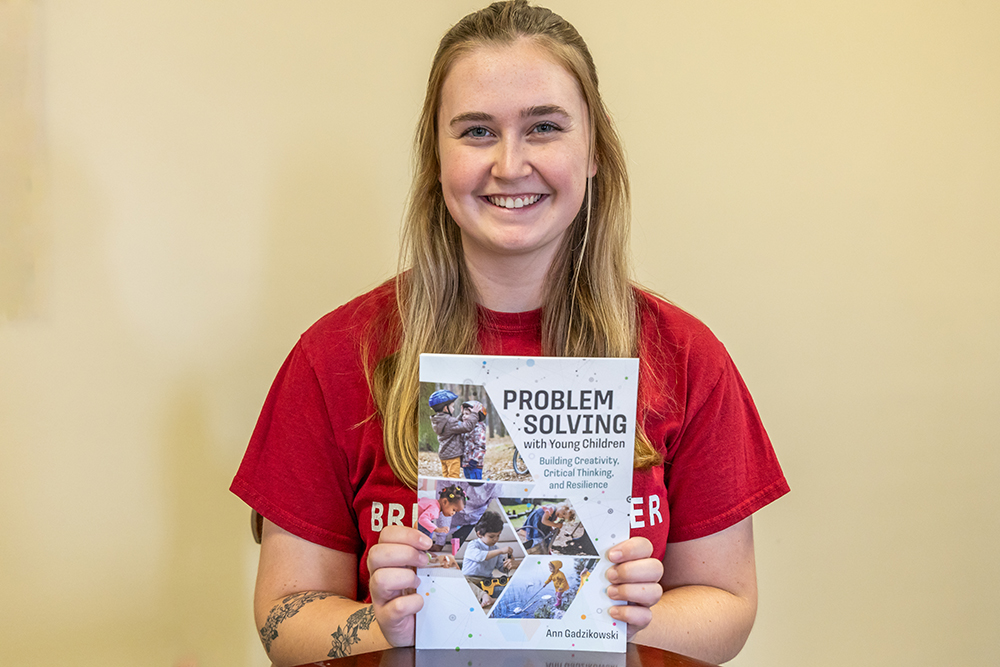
column 516, row 243
column 514, row 169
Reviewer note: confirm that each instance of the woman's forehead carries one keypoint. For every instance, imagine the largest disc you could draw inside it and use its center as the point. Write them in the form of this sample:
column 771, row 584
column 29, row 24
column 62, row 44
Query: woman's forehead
column 523, row 51
column 494, row 75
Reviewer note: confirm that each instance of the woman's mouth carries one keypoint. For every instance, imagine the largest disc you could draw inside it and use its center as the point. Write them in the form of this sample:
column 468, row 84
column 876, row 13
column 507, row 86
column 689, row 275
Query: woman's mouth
column 519, row 201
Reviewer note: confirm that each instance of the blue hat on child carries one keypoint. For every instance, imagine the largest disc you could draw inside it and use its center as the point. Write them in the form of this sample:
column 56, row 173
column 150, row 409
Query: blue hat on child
column 441, row 397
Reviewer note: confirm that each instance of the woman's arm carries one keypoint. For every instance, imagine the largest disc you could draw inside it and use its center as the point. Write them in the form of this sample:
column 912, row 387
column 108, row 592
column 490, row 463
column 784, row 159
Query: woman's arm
column 304, row 602
column 709, row 598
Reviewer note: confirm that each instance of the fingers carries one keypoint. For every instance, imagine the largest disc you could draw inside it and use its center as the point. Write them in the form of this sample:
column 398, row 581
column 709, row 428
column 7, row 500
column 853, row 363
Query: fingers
column 393, row 591
column 396, row 618
column 399, row 547
column 636, row 617
column 631, row 549
column 647, row 570
column 404, row 535
column 393, row 581
column 635, row 579
column 389, row 583
column 637, row 582
column 645, row 595
column 401, row 607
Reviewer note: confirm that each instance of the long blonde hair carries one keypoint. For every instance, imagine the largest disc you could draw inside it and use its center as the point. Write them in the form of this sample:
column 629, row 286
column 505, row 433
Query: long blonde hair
column 436, row 301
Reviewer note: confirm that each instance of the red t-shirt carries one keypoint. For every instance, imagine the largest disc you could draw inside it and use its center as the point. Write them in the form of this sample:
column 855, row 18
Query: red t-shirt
column 315, row 464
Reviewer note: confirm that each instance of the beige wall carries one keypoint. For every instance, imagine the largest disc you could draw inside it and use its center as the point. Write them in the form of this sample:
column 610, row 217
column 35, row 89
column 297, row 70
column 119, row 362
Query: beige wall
column 818, row 181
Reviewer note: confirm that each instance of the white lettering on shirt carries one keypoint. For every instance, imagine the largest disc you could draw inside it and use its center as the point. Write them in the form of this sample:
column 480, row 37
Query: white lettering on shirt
column 654, row 510
column 636, row 513
column 377, row 511
column 395, row 515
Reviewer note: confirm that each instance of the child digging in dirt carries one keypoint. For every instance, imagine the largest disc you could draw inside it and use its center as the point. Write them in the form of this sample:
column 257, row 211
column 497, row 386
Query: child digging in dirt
column 540, row 523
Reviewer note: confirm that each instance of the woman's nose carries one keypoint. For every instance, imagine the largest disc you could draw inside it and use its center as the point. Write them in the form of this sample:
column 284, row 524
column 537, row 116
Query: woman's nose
column 511, row 160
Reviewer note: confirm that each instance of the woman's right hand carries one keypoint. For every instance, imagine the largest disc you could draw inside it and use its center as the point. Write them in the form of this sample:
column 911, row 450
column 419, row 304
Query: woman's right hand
column 393, row 582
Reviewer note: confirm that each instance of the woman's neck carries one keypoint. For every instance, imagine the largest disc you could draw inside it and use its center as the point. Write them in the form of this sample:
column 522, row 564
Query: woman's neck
column 509, row 284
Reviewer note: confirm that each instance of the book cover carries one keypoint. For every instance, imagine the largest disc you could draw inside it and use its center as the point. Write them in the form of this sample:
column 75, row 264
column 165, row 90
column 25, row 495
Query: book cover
column 525, row 476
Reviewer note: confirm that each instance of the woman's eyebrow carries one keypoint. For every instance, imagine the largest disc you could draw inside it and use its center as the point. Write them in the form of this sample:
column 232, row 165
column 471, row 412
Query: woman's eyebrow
column 471, row 116
column 530, row 112
column 544, row 110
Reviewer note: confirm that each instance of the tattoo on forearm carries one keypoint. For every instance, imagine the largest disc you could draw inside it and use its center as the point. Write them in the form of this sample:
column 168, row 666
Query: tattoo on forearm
column 288, row 607
column 345, row 638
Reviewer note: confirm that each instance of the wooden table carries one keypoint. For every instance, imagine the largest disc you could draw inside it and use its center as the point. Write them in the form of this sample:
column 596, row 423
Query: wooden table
column 637, row 656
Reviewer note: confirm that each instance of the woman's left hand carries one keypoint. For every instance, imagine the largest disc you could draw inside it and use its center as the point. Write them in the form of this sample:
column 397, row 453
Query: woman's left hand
column 635, row 578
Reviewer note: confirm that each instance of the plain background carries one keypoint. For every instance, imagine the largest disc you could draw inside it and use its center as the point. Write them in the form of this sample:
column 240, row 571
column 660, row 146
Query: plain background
column 188, row 185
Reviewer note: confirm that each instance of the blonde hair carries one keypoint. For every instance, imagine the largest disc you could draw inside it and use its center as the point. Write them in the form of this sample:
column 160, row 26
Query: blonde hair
column 435, row 297
column 570, row 512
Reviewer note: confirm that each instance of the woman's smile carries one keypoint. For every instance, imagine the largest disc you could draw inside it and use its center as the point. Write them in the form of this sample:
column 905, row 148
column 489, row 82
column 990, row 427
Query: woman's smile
column 513, row 201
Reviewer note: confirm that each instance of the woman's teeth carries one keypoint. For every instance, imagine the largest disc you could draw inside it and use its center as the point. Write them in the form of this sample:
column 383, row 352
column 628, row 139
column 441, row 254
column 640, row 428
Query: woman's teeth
column 514, row 202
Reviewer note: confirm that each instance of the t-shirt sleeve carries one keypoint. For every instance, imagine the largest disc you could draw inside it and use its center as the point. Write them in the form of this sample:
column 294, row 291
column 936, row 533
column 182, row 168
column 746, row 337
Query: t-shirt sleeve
column 723, row 467
column 293, row 472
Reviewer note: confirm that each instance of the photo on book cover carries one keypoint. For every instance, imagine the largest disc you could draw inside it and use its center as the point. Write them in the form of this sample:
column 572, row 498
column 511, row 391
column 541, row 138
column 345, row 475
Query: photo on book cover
column 525, row 473
column 463, row 436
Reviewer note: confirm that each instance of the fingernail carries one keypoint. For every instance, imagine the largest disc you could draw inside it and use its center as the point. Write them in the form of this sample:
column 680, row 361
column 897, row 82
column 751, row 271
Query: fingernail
column 615, row 555
column 613, row 592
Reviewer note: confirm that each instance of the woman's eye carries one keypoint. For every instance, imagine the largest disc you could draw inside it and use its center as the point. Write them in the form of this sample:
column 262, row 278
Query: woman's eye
column 477, row 132
column 545, row 128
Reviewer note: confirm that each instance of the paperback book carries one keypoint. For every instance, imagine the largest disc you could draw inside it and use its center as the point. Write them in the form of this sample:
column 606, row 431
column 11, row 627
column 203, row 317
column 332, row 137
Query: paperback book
column 525, row 478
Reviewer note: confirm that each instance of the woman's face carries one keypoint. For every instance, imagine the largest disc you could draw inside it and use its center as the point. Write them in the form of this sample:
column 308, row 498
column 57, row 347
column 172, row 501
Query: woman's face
column 514, row 141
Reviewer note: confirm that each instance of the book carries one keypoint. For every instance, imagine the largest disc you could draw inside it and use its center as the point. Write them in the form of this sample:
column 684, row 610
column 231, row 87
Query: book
column 525, row 482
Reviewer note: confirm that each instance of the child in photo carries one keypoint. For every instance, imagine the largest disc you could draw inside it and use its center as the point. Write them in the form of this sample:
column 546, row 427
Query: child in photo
column 478, row 496
column 540, row 523
column 474, row 452
column 450, row 500
column 558, row 581
column 481, row 560
column 450, row 430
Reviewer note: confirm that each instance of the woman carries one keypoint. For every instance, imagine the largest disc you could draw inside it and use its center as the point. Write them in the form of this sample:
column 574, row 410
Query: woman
column 516, row 236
